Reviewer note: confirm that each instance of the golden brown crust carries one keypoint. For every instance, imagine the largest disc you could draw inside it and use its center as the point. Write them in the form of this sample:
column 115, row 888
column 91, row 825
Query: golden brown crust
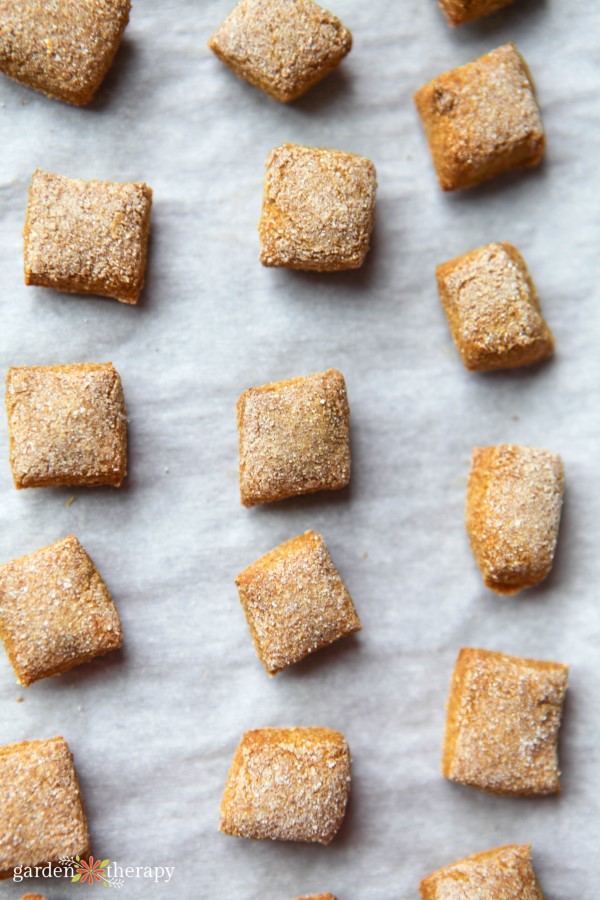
column 514, row 503
column 287, row 784
column 67, row 425
column 502, row 724
column 493, row 309
column 294, row 438
column 55, row 611
column 295, row 602
column 459, row 12
column 62, row 48
column 87, row 237
column 318, row 209
column 281, row 47
column 33, row 897
column 41, row 815
column 505, row 873
column 482, row 119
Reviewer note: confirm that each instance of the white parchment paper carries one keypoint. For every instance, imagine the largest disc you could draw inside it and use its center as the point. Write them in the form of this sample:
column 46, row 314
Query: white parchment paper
column 153, row 728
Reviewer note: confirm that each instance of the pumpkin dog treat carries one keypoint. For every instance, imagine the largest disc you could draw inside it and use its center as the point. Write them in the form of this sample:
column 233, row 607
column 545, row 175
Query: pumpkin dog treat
column 55, row 611
column 67, row 425
column 87, row 237
column 502, row 723
column 287, row 784
column 41, row 815
column 295, row 602
column 294, row 438
column 505, row 873
column 482, row 119
column 62, row 48
column 318, row 897
column 318, row 209
column 493, row 309
column 514, row 502
column 281, row 46
column 458, row 12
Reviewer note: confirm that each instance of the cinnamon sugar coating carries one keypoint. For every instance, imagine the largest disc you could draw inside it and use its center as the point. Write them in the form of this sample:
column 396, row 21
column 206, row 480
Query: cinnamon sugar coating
column 55, row 611
column 87, row 237
column 318, row 209
column 287, row 784
column 281, row 46
column 294, row 438
column 67, row 425
column 502, row 723
column 458, row 12
column 505, row 873
column 482, row 119
column 514, row 503
column 295, row 602
column 62, row 48
column 41, row 814
column 493, row 309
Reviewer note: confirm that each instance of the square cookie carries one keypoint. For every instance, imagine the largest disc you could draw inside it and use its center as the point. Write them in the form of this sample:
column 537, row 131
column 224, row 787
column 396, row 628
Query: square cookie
column 458, row 12
column 62, row 48
column 67, row 425
column 41, row 815
column 294, row 438
column 318, row 209
column 493, row 309
column 482, row 119
column 281, row 46
column 514, row 503
column 505, row 873
column 287, row 784
column 502, row 723
column 55, row 611
column 295, row 602
column 87, row 237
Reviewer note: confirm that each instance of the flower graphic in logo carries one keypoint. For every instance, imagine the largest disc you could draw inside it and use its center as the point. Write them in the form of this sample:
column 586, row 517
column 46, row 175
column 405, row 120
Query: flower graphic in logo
column 91, row 871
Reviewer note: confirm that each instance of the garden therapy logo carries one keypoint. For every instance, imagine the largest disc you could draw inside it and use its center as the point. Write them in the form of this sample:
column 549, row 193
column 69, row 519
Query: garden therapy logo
column 91, row 871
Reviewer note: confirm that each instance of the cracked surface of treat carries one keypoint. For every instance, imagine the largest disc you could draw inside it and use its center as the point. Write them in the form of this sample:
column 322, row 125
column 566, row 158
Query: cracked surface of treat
column 502, row 723
column 493, row 309
column 55, row 611
column 287, row 784
column 88, row 237
column 67, row 425
column 458, row 12
column 41, row 814
column 294, row 438
column 505, row 873
column 482, row 119
column 281, row 46
column 295, row 602
column 318, row 209
column 62, row 48
column 514, row 503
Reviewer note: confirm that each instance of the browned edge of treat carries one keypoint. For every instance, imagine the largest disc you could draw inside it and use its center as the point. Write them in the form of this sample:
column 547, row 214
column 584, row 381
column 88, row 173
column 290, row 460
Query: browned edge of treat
column 459, row 12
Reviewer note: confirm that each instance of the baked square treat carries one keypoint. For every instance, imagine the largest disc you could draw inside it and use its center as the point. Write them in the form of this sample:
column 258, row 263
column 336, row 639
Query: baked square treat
column 287, row 784
column 33, row 897
column 55, row 611
column 514, row 502
column 41, row 815
column 87, row 237
column 294, row 438
column 482, row 119
column 458, row 12
column 295, row 602
column 318, row 897
column 63, row 48
column 281, row 46
column 67, row 425
column 502, row 723
column 318, row 209
column 505, row 873
column 493, row 309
